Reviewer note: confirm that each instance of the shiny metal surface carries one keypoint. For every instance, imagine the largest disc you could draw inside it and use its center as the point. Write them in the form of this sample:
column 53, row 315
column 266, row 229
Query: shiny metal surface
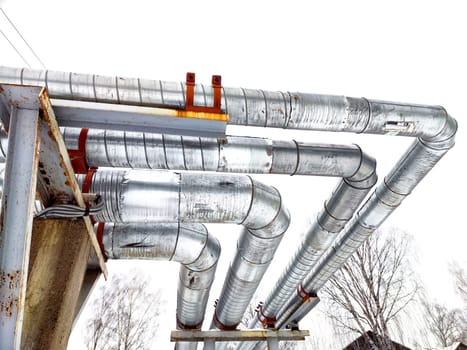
column 228, row 154
column 245, row 106
column 188, row 244
column 337, row 211
column 419, row 159
column 162, row 196
column 434, row 127
column 257, row 155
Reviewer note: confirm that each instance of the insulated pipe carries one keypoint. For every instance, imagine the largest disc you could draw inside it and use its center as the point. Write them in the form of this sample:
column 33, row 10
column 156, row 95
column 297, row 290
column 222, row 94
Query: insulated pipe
column 417, row 161
column 431, row 124
column 244, row 106
column 248, row 154
column 161, row 196
column 188, row 244
column 111, row 148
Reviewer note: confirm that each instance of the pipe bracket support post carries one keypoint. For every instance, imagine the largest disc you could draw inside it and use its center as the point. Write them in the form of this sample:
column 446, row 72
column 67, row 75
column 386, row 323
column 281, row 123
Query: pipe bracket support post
column 23, row 124
column 273, row 344
column 190, row 95
column 209, row 344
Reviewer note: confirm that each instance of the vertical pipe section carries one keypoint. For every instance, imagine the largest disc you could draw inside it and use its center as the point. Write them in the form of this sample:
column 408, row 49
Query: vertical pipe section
column 17, row 214
column 188, row 244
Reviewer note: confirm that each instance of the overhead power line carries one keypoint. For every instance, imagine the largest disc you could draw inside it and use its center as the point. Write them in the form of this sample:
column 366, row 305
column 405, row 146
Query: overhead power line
column 24, row 40
column 14, row 48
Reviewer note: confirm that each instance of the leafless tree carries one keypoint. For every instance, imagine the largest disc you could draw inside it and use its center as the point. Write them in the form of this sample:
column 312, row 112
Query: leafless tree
column 460, row 280
column 449, row 325
column 373, row 287
column 124, row 315
column 446, row 325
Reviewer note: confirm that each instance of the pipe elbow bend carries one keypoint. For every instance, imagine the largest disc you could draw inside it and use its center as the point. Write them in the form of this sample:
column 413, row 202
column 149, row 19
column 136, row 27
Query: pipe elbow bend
column 365, row 176
column 267, row 217
column 444, row 139
column 209, row 254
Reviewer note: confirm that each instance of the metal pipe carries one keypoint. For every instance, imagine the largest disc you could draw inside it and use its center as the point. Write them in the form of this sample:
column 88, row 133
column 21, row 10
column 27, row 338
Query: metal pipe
column 161, row 196
column 337, row 211
column 248, row 154
column 112, row 148
column 431, row 124
column 244, row 106
column 129, row 149
column 419, row 159
column 188, row 244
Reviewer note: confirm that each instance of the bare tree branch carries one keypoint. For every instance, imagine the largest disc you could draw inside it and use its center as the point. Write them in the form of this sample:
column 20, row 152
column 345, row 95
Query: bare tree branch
column 122, row 318
column 446, row 325
column 373, row 287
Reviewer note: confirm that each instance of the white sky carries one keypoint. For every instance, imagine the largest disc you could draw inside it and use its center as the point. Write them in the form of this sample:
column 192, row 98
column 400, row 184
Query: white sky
column 407, row 51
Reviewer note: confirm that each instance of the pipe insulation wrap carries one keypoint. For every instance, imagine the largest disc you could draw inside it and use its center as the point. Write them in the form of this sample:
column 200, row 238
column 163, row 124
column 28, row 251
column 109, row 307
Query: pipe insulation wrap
column 417, row 161
column 337, row 211
column 314, row 159
column 188, row 244
column 245, row 106
column 140, row 196
column 111, row 148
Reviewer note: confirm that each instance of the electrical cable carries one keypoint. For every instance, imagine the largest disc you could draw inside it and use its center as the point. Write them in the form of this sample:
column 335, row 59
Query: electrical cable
column 14, row 47
column 22, row 37
column 68, row 211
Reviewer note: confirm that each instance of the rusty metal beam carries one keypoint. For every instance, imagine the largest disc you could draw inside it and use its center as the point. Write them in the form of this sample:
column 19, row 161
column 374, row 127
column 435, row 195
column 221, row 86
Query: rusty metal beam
column 60, row 174
column 35, row 143
column 17, row 209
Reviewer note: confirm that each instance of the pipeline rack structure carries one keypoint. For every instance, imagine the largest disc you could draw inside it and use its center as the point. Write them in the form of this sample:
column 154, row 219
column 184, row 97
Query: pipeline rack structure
column 167, row 139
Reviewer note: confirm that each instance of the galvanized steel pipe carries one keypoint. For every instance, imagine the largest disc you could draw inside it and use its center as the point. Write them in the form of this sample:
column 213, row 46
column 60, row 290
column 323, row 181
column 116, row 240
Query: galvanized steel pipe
column 244, row 106
column 420, row 158
column 248, row 154
column 161, row 196
column 188, row 244
column 255, row 155
column 434, row 128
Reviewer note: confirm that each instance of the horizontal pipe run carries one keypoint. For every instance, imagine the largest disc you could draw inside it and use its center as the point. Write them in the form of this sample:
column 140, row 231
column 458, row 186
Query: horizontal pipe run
column 245, row 106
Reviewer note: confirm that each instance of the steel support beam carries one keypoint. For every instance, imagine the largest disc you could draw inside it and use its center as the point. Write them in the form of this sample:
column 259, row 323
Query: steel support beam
column 16, row 217
column 241, row 335
column 36, row 155
column 137, row 118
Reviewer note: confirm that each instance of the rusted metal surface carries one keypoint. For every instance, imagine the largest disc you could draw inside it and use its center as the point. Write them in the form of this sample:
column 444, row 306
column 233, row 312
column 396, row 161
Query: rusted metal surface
column 190, row 95
column 78, row 156
column 35, row 144
column 241, row 335
column 59, row 171
column 17, row 209
column 10, row 302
